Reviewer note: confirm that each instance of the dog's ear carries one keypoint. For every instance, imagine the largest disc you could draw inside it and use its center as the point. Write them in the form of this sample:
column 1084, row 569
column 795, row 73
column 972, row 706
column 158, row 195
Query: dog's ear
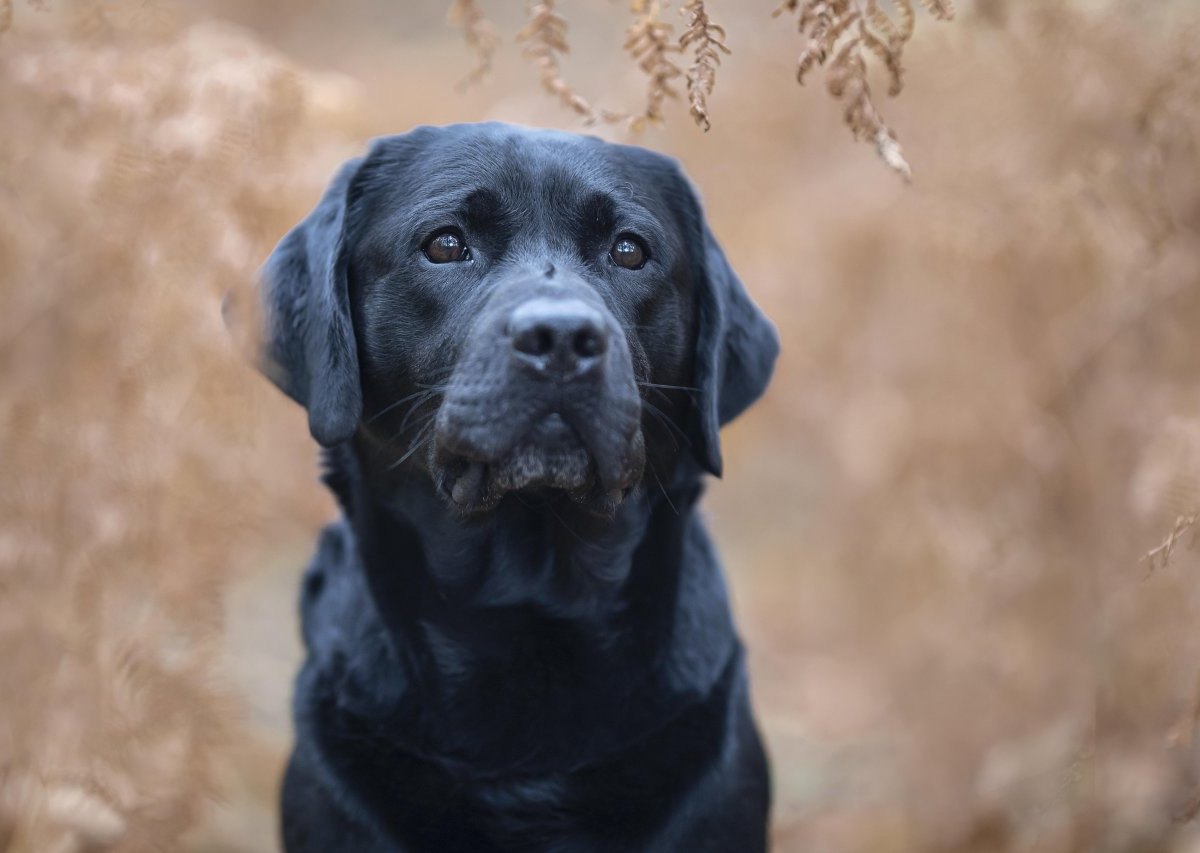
column 308, row 347
column 736, row 346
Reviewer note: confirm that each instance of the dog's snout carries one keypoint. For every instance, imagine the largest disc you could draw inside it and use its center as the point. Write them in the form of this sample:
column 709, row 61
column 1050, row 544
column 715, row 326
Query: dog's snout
column 561, row 337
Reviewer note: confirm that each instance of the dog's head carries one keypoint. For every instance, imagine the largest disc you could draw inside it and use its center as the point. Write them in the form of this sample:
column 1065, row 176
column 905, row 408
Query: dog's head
column 513, row 310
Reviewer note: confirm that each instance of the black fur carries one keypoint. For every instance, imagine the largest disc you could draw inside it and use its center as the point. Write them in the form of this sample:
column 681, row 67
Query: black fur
column 518, row 635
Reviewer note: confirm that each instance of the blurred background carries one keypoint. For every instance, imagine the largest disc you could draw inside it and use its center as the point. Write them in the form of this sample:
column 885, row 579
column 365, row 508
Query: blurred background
column 936, row 524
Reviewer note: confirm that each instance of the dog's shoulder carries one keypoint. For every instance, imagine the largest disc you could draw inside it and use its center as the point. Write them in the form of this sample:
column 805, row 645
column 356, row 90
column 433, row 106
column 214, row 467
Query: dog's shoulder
column 328, row 580
column 349, row 653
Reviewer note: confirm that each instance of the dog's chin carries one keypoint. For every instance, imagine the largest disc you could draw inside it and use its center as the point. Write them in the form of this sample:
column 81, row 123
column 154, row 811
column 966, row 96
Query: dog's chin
column 550, row 462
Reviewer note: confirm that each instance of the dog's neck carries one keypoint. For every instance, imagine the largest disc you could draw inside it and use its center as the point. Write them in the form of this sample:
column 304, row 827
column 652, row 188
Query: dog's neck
column 542, row 554
column 501, row 623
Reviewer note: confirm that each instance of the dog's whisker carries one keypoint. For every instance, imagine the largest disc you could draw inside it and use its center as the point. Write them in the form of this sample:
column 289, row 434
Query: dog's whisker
column 659, row 417
column 392, row 406
column 663, row 489
column 412, row 411
column 663, row 394
column 418, row 442
column 417, row 424
column 669, row 387
column 564, row 524
column 662, row 416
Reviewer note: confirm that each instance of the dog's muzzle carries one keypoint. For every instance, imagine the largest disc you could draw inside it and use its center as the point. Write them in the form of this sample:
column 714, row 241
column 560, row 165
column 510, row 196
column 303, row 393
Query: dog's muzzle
column 543, row 397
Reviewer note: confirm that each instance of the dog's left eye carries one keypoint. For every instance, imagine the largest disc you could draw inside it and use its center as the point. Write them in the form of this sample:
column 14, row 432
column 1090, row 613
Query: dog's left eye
column 628, row 252
column 446, row 247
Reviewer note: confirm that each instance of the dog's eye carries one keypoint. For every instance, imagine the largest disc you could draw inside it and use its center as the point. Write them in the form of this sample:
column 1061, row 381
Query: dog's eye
column 446, row 247
column 628, row 252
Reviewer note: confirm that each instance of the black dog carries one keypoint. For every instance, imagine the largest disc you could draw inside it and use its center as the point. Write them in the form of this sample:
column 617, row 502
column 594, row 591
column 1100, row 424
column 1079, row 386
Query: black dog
column 517, row 347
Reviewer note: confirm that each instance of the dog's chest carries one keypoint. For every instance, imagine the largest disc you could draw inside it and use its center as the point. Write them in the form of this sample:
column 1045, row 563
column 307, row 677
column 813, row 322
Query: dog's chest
column 611, row 804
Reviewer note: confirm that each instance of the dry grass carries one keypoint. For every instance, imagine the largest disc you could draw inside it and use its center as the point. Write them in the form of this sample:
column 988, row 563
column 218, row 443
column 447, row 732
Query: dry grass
column 986, row 416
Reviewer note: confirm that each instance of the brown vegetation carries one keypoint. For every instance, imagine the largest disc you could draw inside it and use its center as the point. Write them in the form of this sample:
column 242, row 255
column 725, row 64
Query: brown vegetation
column 940, row 525
column 706, row 41
column 545, row 40
column 480, row 36
column 839, row 34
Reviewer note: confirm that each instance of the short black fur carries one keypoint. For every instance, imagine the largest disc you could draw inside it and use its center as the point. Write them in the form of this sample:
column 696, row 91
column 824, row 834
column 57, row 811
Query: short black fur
column 518, row 635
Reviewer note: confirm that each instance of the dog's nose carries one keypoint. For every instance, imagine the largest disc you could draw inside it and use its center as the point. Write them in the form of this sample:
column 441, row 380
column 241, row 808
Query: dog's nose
column 564, row 338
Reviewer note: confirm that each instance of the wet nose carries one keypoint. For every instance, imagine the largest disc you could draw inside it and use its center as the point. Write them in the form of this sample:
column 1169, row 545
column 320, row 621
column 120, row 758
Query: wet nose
column 563, row 338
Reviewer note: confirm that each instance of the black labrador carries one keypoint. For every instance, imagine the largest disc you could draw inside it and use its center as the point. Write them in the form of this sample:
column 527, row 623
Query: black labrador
column 517, row 347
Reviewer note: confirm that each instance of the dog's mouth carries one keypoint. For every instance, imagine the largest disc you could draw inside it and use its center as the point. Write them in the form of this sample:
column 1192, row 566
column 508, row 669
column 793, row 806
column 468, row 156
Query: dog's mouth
column 550, row 459
column 542, row 403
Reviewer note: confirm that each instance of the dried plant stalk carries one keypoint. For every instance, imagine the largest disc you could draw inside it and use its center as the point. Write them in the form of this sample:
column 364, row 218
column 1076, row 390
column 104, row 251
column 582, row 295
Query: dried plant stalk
column 1185, row 525
column 839, row 36
column 649, row 40
column 706, row 40
column 479, row 34
column 849, row 31
column 545, row 38
column 943, row 10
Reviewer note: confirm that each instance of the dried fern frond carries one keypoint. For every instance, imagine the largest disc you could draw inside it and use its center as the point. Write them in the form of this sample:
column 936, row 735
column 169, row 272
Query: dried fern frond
column 882, row 22
column 888, row 57
column 824, row 24
column 1160, row 557
column 943, row 10
column 706, row 40
column 847, row 81
column 545, row 38
column 850, row 31
column 6, row 12
column 649, row 40
column 479, row 34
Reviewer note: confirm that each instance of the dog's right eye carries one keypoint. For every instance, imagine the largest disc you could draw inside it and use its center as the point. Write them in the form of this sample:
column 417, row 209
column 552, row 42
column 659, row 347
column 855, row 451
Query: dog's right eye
column 446, row 247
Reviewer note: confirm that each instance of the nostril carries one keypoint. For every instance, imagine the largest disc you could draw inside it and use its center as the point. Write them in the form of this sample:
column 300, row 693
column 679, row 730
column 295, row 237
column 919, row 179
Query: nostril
column 588, row 342
column 536, row 340
column 563, row 338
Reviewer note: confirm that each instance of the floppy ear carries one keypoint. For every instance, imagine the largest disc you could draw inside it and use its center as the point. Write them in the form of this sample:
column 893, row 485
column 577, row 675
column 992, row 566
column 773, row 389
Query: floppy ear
column 308, row 347
column 736, row 347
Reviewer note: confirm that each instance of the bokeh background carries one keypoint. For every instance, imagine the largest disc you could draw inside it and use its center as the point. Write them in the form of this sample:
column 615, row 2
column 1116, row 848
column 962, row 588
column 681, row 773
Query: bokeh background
column 936, row 524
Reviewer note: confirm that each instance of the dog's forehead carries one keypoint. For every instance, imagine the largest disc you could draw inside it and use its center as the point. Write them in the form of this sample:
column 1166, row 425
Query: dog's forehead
column 501, row 154
column 432, row 164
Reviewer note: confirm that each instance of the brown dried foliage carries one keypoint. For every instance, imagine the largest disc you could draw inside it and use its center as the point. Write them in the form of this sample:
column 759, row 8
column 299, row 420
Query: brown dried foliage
column 706, row 41
column 1187, row 527
column 135, row 191
column 985, row 414
column 649, row 40
column 545, row 39
column 480, row 35
column 840, row 35
column 1017, row 424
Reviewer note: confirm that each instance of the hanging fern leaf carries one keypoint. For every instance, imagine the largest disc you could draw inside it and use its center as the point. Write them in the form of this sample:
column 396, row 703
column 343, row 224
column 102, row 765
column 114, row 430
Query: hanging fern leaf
column 706, row 40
